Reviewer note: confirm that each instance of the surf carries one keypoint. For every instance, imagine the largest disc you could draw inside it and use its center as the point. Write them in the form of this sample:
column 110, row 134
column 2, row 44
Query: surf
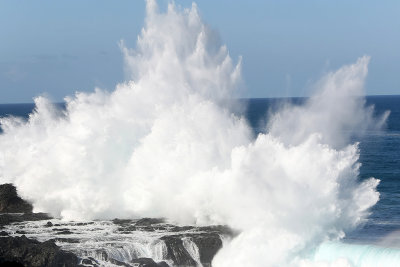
column 167, row 144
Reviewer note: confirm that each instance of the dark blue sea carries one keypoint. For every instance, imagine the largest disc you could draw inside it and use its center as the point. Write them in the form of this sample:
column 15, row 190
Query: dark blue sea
column 380, row 158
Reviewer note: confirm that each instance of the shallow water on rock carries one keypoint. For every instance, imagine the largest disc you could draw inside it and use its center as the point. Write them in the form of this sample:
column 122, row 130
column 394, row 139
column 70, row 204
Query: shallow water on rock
column 112, row 243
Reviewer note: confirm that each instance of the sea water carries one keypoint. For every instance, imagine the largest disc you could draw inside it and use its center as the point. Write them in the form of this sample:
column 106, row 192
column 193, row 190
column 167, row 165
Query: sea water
column 374, row 243
column 166, row 144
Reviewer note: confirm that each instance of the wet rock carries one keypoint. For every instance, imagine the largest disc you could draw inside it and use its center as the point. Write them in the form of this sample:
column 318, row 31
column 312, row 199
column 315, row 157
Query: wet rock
column 149, row 221
column 177, row 252
column 10, row 202
column 11, row 207
column 83, row 223
column 60, row 229
column 181, row 228
column 11, row 264
column 89, row 261
column 145, row 224
column 119, row 263
column 208, row 245
column 29, row 252
column 3, row 233
column 64, row 232
column 144, row 262
column 7, row 218
column 146, row 228
column 49, row 224
column 122, row 221
column 35, row 216
column 147, row 262
column 220, row 229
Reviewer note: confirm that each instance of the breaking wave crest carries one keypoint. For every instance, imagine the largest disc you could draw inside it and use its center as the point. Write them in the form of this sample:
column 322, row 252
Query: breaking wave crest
column 166, row 144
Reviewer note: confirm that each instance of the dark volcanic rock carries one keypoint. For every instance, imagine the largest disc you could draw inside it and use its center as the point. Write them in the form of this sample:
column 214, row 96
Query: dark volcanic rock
column 64, row 232
column 181, row 228
column 177, row 252
column 208, row 245
column 220, row 229
column 119, row 263
column 12, row 264
column 144, row 262
column 147, row 262
column 11, row 205
column 90, row 261
column 140, row 262
column 29, row 252
column 60, row 229
column 145, row 224
column 207, row 239
column 83, row 223
column 149, row 221
column 122, row 221
column 6, row 218
column 10, row 202
column 3, row 233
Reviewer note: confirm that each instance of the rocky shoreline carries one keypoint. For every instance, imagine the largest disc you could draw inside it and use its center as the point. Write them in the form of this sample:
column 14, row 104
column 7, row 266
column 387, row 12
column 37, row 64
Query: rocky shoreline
column 174, row 245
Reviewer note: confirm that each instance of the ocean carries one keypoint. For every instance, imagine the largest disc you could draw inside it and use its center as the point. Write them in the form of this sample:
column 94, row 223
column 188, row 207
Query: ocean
column 374, row 242
column 379, row 158
column 298, row 182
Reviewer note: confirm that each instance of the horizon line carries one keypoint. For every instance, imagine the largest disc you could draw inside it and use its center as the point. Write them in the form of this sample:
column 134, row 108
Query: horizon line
column 239, row 98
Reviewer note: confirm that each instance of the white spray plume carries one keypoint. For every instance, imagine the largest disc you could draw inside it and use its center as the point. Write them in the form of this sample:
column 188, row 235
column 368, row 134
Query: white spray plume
column 162, row 145
column 336, row 110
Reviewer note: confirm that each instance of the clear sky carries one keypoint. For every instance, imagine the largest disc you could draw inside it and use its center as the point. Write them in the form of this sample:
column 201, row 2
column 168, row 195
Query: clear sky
column 59, row 47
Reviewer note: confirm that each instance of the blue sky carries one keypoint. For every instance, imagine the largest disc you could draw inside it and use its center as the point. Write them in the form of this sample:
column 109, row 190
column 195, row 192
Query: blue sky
column 59, row 47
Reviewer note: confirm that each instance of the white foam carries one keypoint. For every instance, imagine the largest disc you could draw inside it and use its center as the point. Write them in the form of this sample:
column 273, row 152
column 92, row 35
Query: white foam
column 165, row 145
column 99, row 238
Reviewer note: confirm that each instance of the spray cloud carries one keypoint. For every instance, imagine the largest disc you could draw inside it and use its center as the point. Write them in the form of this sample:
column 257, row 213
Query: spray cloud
column 163, row 145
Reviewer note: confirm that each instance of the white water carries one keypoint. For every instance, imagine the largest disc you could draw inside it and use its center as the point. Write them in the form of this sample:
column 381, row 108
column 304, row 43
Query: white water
column 359, row 255
column 164, row 145
column 99, row 238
